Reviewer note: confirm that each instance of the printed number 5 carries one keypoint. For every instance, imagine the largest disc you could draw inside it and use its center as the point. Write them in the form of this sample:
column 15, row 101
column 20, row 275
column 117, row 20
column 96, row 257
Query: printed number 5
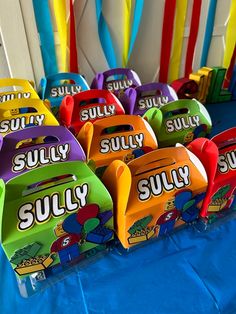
column 66, row 241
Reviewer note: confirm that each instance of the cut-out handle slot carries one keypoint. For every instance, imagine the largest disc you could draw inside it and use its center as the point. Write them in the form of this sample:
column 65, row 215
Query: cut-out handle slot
column 117, row 129
column 10, row 88
column 116, row 77
column 92, row 101
column 150, row 93
column 176, row 112
column 63, row 82
column 154, row 165
column 228, row 143
column 30, row 142
column 45, row 184
column 19, row 111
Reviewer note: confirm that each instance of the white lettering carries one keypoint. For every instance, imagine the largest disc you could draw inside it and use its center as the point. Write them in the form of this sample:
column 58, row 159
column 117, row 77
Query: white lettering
column 41, row 156
column 156, row 184
column 25, row 216
column 227, row 161
column 179, row 124
column 117, row 143
column 52, row 205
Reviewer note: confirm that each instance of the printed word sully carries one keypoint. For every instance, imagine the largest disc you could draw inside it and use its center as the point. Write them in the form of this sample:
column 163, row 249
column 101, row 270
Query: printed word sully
column 65, row 90
column 179, row 124
column 40, row 157
column 156, row 184
column 97, row 112
column 227, row 161
column 20, row 123
column 42, row 209
column 117, row 143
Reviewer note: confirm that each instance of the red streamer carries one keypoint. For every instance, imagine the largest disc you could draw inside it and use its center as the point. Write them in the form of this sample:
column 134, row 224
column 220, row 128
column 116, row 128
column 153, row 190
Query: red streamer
column 229, row 72
column 196, row 11
column 166, row 41
column 73, row 49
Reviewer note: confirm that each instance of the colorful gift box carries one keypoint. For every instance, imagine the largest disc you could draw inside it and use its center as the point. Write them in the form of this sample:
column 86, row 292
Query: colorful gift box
column 16, row 89
column 179, row 122
column 56, row 87
column 44, row 223
column 37, row 146
column 138, row 100
column 90, row 105
column 118, row 137
column 155, row 193
column 19, row 113
column 219, row 159
column 116, row 80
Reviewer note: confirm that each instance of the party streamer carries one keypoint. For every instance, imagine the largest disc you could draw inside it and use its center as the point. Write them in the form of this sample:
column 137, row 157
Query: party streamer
column 127, row 16
column 230, row 35
column 208, row 31
column 181, row 10
column 130, row 33
column 167, row 34
column 105, row 37
column 130, row 40
column 45, row 30
column 229, row 72
column 73, row 49
column 60, row 16
column 232, row 85
column 196, row 11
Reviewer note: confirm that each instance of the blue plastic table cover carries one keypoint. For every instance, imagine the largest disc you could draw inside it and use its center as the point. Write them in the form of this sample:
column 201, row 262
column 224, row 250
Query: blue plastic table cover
column 186, row 272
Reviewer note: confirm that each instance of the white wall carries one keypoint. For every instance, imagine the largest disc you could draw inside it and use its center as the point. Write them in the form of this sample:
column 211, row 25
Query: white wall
column 4, row 71
column 20, row 37
column 146, row 53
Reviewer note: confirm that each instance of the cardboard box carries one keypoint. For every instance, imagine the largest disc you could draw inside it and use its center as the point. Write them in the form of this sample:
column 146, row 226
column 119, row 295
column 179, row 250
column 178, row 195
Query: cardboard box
column 90, row 105
column 138, row 100
column 117, row 137
column 37, row 146
column 218, row 156
column 59, row 219
column 55, row 87
column 179, row 121
column 18, row 89
column 17, row 114
column 154, row 192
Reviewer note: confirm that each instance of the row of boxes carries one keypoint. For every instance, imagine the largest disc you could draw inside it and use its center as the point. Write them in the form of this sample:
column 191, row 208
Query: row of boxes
column 55, row 209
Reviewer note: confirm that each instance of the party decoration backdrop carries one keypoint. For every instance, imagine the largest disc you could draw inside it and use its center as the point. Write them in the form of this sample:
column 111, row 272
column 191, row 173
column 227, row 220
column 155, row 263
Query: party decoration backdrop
column 162, row 40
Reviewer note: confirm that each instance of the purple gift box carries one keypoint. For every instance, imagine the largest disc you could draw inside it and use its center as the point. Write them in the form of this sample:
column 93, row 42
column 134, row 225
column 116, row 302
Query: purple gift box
column 138, row 100
column 123, row 78
column 37, row 146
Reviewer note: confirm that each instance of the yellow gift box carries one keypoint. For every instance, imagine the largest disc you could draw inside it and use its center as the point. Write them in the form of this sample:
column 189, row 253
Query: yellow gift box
column 19, row 113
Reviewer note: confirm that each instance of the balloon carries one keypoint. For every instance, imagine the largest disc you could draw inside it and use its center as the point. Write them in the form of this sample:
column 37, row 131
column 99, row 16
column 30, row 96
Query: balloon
column 91, row 224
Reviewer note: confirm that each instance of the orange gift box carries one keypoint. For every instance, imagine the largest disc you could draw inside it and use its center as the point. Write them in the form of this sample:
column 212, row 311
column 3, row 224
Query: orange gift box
column 155, row 193
column 115, row 137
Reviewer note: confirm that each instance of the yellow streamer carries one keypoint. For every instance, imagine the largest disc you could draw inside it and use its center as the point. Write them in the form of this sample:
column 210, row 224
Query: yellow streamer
column 230, row 35
column 127, row 18
column 60, row 16
column 180, row 15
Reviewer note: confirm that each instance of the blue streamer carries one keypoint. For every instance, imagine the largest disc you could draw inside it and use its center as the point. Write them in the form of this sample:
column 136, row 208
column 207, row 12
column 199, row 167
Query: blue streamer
column 44, row 25
column 208, row 31
column 138, row 11
column 105, row 36
column 104, row 33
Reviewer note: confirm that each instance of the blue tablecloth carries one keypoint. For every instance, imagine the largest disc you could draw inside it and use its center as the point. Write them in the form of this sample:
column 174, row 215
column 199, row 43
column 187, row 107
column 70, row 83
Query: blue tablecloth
column 187, row 272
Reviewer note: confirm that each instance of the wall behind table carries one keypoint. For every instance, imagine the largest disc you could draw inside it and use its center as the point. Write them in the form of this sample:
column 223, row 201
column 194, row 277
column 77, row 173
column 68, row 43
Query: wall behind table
column 146, row 53
column 20, row 35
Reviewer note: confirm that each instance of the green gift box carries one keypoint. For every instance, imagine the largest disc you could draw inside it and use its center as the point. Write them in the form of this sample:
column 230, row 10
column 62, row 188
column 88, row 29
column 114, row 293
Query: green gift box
column 53, row 215
column 179, row 121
